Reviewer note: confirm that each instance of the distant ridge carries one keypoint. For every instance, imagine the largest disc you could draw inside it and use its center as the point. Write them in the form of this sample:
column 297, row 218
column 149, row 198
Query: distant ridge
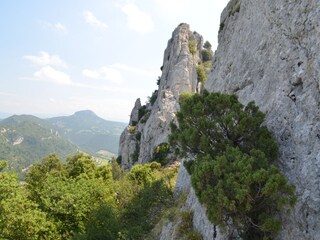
column 25, row 139
column 89, row 131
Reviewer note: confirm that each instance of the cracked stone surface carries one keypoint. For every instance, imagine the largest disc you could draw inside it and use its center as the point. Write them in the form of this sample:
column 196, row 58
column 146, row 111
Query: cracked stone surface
column 269, row 53
column 178, row 75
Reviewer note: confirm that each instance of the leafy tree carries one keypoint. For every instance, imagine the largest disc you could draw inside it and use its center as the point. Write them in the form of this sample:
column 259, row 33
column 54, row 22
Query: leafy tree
column 3, row 165
column 103, row 224
column 153, row 97
column 201, row 74
column 37, row 175
column 160, row 153
column 141, row 174
column 206, row 55
column 233, row 174
column 207, row 45
column 81, row 164
column 210, row 122
column 70, row 192
column 20, row 218
column 192, row 47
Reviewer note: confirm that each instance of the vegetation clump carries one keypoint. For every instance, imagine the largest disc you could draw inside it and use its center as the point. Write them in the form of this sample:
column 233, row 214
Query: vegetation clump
column 80, row 200
column 192, row 47
column 185, row 228
column 201, row 73
column 153, row 97
column 160, row 153
column 233, row 173
column 132, row 128
column 206, row 55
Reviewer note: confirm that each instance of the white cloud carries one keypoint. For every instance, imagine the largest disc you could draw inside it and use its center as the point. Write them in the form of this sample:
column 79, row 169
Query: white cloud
column 49, row 74
column 137, row 20
column 113, row 72
column 45, row 59
column 174, row 5
column 94, row 21
column 60, row 27
column 91, row 74
column 135, row 70
column 107, row 73
column 7, row 94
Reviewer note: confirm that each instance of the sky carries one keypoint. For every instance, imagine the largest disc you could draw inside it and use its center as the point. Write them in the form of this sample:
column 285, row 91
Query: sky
column 62, row 56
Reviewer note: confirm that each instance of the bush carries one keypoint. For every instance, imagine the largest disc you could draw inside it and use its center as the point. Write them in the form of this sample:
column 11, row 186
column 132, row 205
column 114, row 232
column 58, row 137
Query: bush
column 185, row 228
column 201, row 74
column 153, row 97
column 135, row 155
column 206, row 55
column 207, row 45
column 119, row 159
column 233, row 173
column 142, row 111
column 192, row 47
column 160, row 153
column 221, row 27
column 138, row 136
column 131, row 128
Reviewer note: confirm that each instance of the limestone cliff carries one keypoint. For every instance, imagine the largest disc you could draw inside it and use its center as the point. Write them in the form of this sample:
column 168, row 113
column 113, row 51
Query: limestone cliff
column 269, row 53
column 149, row 124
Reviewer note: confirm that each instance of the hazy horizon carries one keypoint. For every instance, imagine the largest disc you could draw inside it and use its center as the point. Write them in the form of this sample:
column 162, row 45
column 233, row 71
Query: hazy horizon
column 60, row 57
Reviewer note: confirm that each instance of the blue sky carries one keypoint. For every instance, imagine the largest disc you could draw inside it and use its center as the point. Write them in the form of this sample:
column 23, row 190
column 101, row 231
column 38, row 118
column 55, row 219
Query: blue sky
column 62, row 56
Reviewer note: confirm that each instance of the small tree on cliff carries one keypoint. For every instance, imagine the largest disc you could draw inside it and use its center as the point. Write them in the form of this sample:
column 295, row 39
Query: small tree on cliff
column 233, row 174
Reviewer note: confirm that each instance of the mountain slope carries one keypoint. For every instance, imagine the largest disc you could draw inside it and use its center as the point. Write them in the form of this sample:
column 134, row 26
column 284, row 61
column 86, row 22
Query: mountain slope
column 25, row 139
column 90, row 132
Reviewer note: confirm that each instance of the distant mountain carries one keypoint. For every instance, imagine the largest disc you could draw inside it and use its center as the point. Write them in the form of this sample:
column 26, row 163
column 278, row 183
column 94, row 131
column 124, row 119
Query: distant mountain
column 91, row 133
column 25, row 139
column 4, row 115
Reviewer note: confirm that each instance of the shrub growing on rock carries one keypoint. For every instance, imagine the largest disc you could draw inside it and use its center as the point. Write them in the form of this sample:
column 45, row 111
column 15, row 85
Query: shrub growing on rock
column 233, row 173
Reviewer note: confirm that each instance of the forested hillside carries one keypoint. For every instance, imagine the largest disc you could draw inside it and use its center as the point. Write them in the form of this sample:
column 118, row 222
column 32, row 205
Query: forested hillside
column 25, row 139
column 90, row 132
column 79, row 200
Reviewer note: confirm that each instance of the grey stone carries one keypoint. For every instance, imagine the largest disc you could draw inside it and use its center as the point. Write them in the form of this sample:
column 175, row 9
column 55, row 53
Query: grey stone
column 178, row 75
column 269, row 53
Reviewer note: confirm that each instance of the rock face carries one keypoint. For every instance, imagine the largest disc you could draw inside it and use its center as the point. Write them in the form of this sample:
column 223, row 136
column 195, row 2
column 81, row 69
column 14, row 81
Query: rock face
column 149, row 125
column 269, row 53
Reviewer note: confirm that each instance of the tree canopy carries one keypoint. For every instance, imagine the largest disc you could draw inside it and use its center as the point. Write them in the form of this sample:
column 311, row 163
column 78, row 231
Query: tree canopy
column 233, row 172
column 80, row 200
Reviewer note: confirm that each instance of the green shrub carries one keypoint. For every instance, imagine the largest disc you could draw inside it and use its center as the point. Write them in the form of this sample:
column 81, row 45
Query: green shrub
column 119, row 159
column 207, row 64
column 135, row 155
column 160, row 153
column 207, row 45
column 221, row 27
column 206, row 55
column 138, row 136
column 131, row 128
column 233, row 174
column 201, row 74
column 192, row 47
column 153, row 97
column 185, row 228
column 142, row 111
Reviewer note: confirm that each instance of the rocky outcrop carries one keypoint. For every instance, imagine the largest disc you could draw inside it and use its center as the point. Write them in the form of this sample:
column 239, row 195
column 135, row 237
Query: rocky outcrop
column 269, row 53
column 179, row 75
